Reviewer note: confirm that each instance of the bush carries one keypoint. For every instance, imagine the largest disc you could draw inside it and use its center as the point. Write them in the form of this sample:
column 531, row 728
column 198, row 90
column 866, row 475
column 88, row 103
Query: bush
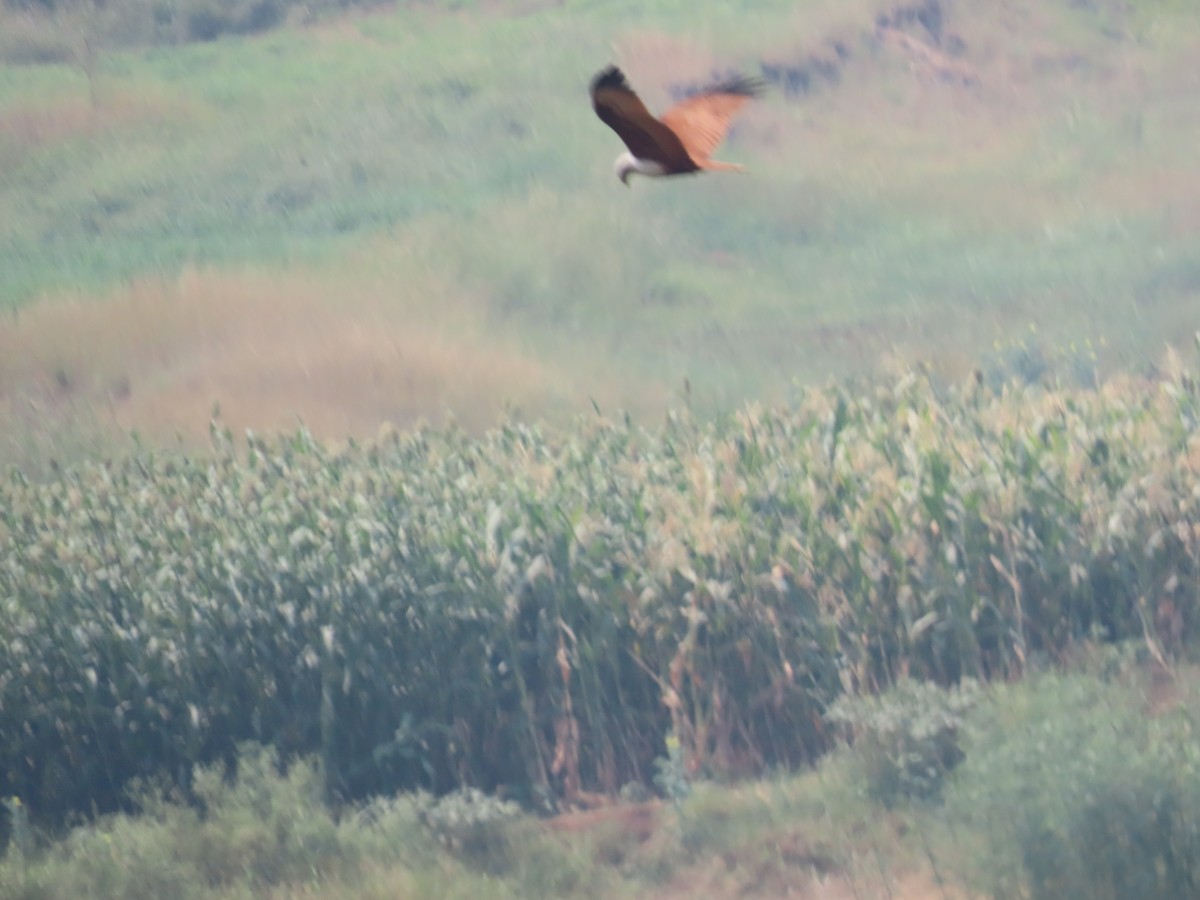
column 907, row 740
column 1074, row 792
column 243, row 831
column 261, row 824
column 470, row 824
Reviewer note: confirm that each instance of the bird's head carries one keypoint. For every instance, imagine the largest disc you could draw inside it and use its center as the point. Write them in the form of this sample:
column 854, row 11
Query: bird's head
column 625, row 166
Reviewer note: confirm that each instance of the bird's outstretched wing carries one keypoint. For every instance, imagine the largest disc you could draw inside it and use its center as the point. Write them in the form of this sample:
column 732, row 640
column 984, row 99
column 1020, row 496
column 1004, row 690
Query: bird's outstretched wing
column 702, row 120
column 621, row 110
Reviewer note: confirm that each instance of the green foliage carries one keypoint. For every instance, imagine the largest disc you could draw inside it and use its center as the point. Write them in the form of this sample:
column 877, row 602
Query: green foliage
column 775, row 833
column 670, row 775
column 1075, row 792
column 248, row 829
column 539, row 609
column 402, row 846
column 16, row 836
column 472, row 825
column 268, row 826
column 906, row 740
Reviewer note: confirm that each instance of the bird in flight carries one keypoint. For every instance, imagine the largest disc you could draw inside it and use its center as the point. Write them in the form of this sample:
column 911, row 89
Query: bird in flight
column 683, row 140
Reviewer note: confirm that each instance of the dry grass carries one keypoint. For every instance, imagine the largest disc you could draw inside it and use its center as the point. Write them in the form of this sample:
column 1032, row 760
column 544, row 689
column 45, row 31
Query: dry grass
column 339, row 353
column 27, row 127
column 809, row 886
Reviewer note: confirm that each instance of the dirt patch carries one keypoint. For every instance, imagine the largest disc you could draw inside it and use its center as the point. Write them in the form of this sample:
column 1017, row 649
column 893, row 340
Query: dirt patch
column 786, row 863
column 714, row 882
column 638, row 820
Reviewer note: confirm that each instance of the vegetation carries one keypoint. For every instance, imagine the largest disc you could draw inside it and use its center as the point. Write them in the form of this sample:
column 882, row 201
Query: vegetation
column 1067, row 789
column 268, row 833
column 259, row 829
column 1074, row 791
column 538, row 609
column 907, row 740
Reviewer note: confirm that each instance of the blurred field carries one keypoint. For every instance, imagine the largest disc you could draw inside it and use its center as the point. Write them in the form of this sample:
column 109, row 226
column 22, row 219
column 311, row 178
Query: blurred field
column 411, row 212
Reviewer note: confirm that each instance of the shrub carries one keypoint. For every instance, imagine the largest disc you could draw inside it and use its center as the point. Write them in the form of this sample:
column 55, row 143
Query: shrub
column 470, row 824
column 671, row 776
column 261, row 824
column 1076, row 793
column 244, row 830
column 908, row 739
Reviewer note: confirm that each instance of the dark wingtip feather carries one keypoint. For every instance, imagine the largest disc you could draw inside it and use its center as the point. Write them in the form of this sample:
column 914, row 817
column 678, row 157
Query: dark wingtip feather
column 735, row 83
column 743, row 85
column 610, row 78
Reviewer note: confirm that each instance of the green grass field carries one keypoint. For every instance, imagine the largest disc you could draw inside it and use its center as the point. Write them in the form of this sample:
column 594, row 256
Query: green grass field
column 411, row 212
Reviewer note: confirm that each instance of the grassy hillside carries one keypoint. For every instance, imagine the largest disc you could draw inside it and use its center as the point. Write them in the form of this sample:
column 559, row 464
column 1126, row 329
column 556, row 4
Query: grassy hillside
column 406, row 212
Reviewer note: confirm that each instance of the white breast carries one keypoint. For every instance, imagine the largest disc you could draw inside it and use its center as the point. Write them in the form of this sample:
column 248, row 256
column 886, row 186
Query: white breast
column 648, row 167
column 627, row 163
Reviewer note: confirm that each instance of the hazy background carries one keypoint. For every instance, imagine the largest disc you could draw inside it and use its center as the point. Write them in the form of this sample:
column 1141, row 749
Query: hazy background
column 352, row 215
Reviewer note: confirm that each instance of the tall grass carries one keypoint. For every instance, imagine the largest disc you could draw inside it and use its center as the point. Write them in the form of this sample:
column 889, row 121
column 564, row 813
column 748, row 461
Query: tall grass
column 539, row 609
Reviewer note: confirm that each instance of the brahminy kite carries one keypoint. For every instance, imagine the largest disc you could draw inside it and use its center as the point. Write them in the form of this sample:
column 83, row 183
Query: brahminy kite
column 682, row 141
